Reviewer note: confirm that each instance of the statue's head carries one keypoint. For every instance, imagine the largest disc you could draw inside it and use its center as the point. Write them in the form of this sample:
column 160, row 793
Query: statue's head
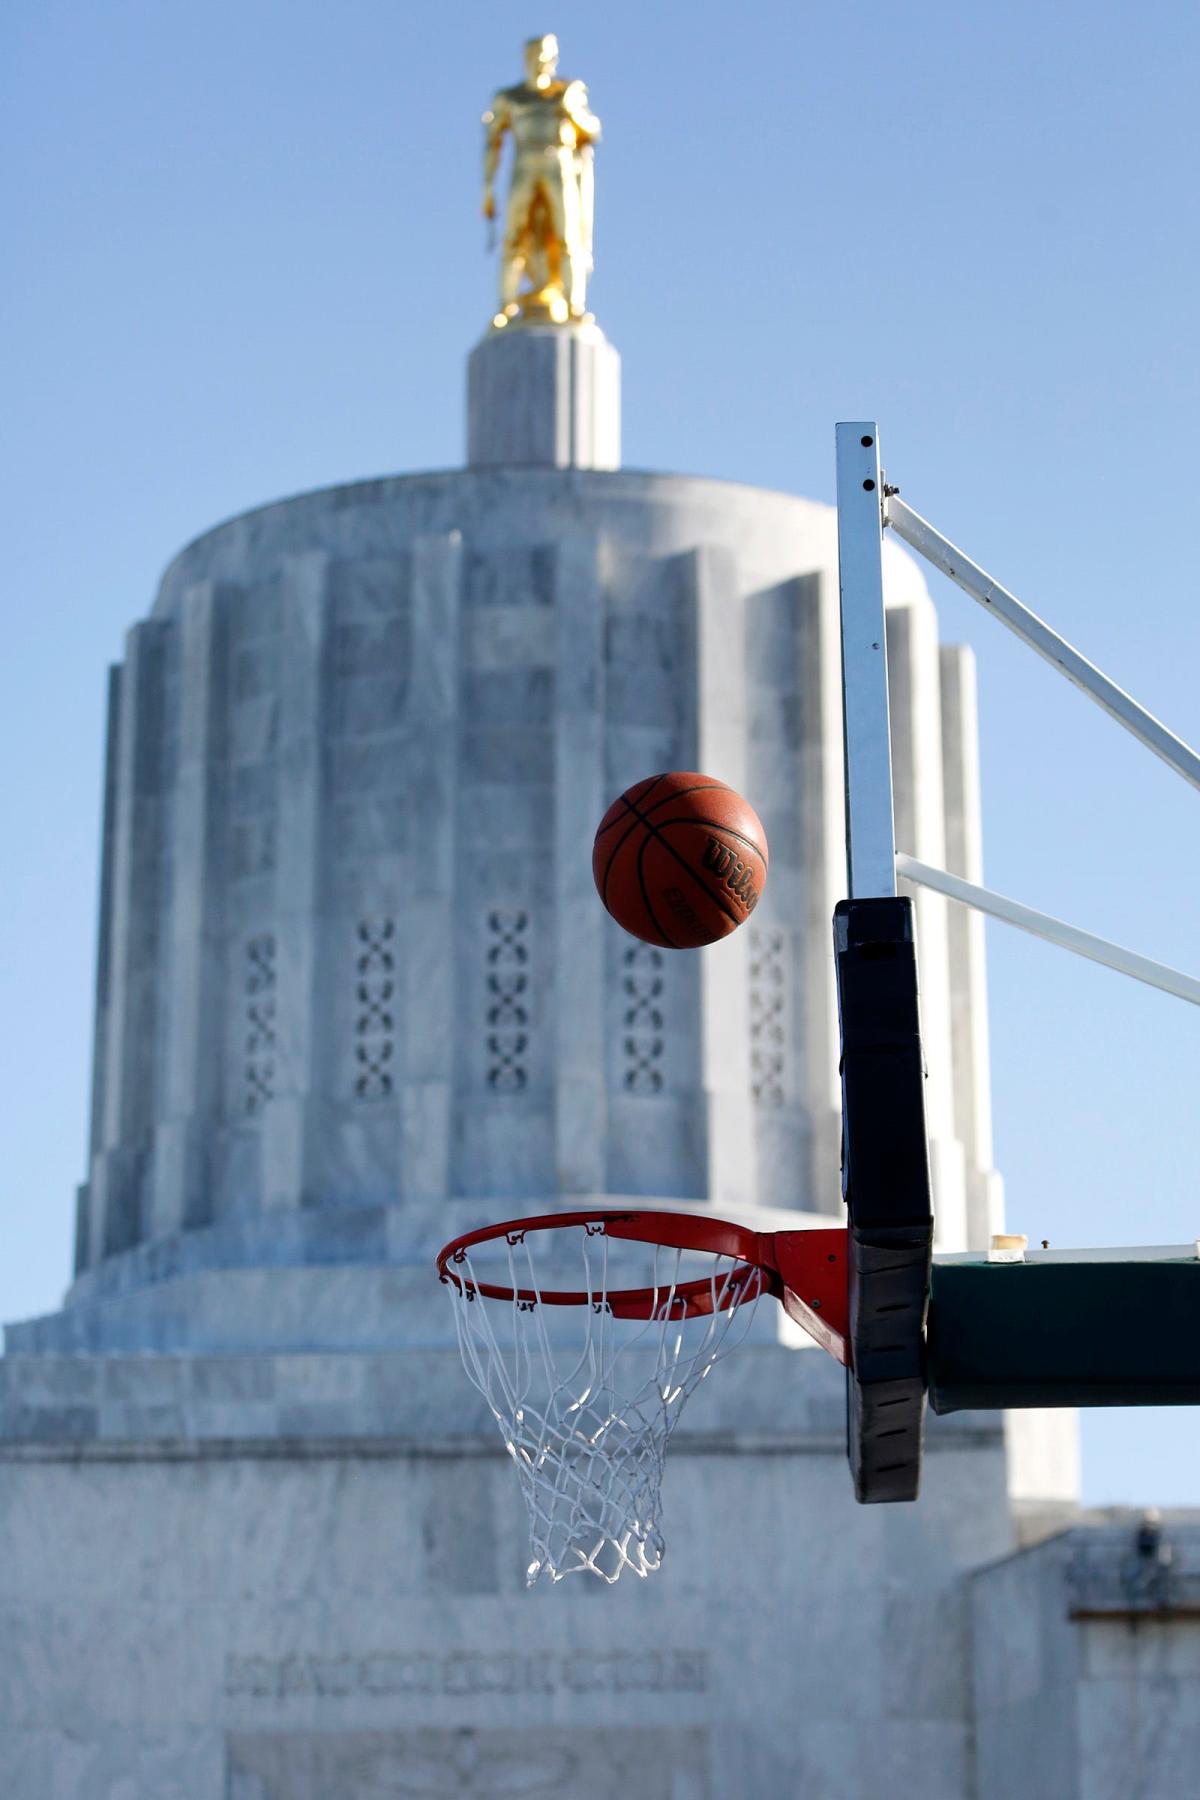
column 541, row 59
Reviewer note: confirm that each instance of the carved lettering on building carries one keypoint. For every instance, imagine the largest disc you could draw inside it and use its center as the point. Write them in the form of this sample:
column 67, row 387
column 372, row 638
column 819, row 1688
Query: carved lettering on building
column 455, row 1673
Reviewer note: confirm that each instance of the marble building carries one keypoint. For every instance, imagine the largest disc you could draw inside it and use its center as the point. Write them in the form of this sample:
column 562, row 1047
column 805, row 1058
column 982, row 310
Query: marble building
column 258, row 1537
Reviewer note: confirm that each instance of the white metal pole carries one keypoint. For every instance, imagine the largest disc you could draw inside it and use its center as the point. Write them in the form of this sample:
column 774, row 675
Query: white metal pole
column 1055, row 931
column 870, row 832
column 1038, row 635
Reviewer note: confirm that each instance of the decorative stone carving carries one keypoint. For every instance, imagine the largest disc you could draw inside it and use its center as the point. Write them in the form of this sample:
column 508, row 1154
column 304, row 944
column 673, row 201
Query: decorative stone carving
column 260, row 1022
column 642, row 1043
column 507, row 1012
column 768, row 1014
column 374, row 1021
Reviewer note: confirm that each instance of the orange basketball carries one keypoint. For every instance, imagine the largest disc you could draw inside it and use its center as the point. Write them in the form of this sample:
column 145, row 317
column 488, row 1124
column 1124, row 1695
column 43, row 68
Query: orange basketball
column 680, row 860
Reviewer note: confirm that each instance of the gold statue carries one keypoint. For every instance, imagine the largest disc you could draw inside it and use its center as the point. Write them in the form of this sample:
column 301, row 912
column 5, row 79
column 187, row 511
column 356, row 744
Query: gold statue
column 546, row 255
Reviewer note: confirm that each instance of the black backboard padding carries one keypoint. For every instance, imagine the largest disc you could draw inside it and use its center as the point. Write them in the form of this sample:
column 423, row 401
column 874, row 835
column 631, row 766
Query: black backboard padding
column 887, row 1311
column 886, row 1425
column 885, row 1181
column 1064, row 1334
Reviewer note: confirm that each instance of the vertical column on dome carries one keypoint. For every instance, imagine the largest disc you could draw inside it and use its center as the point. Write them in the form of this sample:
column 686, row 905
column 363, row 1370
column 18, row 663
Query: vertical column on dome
column 426, row 956
column 180, row 1193
column 968, row 979
column 656, row 1134
column 503, row 1140
column 89, row 1227
column 300, row 860
column 790, row 1050
column 131, row 1060
column 915, row 702
column 581, row 1112
column 794, row 751
column 821, row 791
column 719, row 623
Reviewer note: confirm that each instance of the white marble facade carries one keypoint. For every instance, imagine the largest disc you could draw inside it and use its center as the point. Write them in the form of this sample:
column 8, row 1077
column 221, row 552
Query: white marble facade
column 355, row 987
column 355, row 994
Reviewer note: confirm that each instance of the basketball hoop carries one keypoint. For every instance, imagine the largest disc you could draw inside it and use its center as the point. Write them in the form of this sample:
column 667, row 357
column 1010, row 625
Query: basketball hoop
column 587, row 1417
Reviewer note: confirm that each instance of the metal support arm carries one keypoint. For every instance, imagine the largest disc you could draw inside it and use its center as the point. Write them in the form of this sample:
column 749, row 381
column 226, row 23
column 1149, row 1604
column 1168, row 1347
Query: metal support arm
column 1054, row 931
column 1031, row 630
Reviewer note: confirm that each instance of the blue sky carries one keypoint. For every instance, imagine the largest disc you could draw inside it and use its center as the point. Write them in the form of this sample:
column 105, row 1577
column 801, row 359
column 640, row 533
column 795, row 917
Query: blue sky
column 245, row 259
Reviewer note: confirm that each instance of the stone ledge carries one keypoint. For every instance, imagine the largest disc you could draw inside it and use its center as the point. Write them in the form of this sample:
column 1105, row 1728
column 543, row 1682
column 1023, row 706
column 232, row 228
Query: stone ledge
column 767, row 1399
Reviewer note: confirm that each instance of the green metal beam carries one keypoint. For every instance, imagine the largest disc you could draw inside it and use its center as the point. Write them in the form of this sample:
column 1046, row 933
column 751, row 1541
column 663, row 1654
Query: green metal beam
column 1115, row 1328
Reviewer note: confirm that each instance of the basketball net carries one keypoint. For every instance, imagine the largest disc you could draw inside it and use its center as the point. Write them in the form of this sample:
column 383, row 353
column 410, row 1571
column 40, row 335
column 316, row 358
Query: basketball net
column 588, row 1425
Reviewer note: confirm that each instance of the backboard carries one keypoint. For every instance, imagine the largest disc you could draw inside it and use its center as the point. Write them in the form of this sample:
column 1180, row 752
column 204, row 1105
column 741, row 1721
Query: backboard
column 985, row 1331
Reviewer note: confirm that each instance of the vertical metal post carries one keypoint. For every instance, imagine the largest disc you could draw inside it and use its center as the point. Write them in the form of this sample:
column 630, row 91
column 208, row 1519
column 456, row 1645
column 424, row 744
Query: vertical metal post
column 885, row 1155
column 870, row 831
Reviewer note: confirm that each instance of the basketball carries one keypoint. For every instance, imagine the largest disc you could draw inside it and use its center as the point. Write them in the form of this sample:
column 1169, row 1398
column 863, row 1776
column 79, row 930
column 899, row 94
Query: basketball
column 680, row 860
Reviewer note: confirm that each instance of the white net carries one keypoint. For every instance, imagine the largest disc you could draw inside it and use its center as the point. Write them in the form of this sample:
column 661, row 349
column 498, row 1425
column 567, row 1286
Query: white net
column 587, row 1422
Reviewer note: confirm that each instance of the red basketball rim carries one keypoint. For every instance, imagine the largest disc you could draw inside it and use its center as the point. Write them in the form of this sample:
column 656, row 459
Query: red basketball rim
column 673, row 1231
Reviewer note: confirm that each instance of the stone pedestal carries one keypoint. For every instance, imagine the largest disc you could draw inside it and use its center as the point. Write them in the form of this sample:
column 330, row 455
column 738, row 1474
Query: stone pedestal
column 301, row 1577
column 546, row 397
